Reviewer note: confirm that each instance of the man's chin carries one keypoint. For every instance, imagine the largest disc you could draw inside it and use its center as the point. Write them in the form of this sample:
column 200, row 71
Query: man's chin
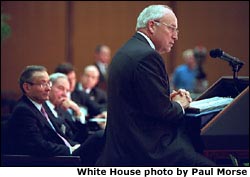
column 46, row 98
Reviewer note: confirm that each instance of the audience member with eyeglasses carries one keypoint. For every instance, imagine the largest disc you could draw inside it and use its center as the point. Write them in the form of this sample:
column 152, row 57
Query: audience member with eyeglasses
column 31, row 130
column 145, row 123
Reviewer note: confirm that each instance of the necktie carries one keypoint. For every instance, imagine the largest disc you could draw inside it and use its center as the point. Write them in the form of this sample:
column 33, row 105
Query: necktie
column 47, row 118
column 59, row 120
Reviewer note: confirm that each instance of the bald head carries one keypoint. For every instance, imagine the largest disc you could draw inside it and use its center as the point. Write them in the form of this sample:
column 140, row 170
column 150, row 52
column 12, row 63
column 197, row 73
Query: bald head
column 90, row 77
column 91, row 68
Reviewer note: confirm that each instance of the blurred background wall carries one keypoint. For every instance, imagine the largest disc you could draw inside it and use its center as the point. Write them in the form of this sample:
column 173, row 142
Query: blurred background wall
column 48, row 33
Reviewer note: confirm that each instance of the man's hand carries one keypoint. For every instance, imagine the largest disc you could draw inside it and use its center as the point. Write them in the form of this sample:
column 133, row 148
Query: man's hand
column 181, row 96
column 102, row 115
column 69, row 104
column 72, row 149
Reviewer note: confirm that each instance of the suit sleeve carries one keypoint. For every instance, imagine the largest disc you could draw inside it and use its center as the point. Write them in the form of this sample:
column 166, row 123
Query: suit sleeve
column 152, row 90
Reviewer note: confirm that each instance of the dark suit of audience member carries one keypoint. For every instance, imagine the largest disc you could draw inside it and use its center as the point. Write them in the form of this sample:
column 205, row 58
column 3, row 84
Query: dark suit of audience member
column 95, row 94
column 98, row 95
column 102, row 83
column 30, row 128
column 83, row 99
column 102, row 59
column 72, row 129
column 145, row 125
column 32, row 134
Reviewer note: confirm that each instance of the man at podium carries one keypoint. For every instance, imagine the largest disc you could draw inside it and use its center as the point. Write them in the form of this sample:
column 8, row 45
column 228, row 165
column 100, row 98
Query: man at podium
column 145, row 123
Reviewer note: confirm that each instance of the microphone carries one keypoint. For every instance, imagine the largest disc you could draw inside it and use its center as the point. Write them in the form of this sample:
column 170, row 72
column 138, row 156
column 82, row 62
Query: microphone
column 224, row 56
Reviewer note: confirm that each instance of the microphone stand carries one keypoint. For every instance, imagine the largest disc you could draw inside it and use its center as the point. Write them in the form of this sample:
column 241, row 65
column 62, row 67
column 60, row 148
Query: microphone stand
column 236, row 68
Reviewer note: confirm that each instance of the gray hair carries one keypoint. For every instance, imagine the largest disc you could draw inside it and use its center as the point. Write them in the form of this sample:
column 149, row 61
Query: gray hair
column 27, row 74
column 151, row 12
column 53, row 77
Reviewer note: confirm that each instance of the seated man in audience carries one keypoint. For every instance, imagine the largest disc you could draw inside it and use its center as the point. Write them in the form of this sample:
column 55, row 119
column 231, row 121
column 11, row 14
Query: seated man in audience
column 83, row 100
column 73, row 126
column 32, row 131
column 89, row 80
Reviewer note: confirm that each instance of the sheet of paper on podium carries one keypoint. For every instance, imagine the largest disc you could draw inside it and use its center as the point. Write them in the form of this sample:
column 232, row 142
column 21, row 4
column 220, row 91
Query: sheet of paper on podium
column 208, row 104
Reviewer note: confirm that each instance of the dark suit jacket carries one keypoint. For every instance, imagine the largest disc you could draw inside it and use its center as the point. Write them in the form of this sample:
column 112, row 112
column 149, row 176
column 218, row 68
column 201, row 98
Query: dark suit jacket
column 31, row 133
column 96, row 94
column 73, row 130
column 102, row 79
column 82, row 99
column 144, row 128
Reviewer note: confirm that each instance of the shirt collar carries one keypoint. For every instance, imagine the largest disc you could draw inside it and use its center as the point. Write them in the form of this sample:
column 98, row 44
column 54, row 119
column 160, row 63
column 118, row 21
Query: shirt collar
column 87, row 90
column 100, row 64
column 52, row 108
column 147, row 38
column 37, row 105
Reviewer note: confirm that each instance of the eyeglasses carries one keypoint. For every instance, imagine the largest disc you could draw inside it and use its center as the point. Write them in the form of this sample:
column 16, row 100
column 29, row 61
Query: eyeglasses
column 42, row 85
column 172, row 29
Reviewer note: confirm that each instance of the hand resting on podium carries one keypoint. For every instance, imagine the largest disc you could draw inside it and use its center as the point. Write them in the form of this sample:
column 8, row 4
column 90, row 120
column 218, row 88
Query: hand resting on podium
column 182, row 97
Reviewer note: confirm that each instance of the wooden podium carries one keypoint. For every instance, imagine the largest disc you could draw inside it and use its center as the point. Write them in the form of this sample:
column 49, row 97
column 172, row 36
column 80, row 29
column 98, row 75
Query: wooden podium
column 227, row 131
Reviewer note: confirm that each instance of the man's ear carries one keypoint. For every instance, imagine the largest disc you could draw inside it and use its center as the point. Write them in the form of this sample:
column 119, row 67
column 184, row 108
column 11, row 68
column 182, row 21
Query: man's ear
column 151, row 26
column 26, row 87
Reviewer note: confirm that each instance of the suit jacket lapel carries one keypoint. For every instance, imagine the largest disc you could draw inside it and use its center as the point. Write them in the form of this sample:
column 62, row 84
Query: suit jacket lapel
column 37, row 112
column 52, row 119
